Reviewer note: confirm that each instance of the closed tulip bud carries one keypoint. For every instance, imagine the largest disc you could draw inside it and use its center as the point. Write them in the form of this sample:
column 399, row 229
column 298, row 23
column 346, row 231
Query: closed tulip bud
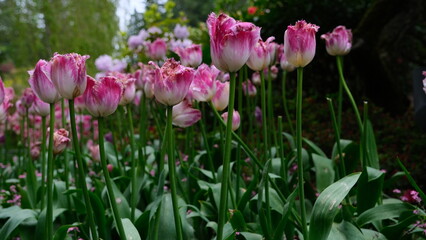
column 102, row 97
column 231, row 41
column 339, row 41
column 60, row 140
column 41, row 82
column 221, row 98
column 157, row 50
column 40, row 107
column 190, row 56
column 110, row 167
column 171, row 82
column 260, row 57
column 235, row 119
column 299, row 43
column 68, row 73
column 2, row 92
column 285, row 65
column 249, row 89
column 203, row 87
column 184, row 115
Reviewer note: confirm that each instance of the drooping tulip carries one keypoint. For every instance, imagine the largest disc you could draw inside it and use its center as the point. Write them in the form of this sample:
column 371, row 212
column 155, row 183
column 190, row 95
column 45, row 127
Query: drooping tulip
column 231, row 41
column 2, row 92
column 235, row 119
column 41, row 82
column 339, row 41
column 299, row 43
column 102, row 97
column 68, row 73
column 171, row 82
column 260, row 57
column 203, row 87
column 221, row 98
column 184, row 115
column 157, row 50
column 285, row 65
column 60, row 140
column 190, row 56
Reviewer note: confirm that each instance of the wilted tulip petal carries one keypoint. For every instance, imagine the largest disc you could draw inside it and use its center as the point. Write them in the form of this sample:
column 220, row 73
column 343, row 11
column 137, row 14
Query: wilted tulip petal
column 102, row 97
column 299, row 43
column 338, row 42
column 184, row 115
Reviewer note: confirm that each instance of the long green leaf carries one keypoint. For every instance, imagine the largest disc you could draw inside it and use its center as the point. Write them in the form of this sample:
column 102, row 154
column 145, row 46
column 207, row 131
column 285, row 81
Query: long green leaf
column 324, row 171
column 370, row 188
column 345, row 231
column 327, row 206
column 13, row 222
column 381, row 212
column 371, row 147
column 131, row 232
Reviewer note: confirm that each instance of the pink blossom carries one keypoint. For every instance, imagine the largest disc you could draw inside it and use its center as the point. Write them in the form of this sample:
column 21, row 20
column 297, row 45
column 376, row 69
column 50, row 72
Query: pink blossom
column 184, row 115
column 235, row 119
column 102, row 97
column 190, row 56
column 203, row 87
column 41, row 82
column 339, row 41
column 299, row 43
column 157, row 50
column 221, row 98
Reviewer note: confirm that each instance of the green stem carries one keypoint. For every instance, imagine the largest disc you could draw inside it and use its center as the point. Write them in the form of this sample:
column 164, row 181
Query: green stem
column 142, row 133
column 300, row 169
column 287, row 114
column 283, row 169
column 172, row 174
column 110, row 190
column 238, row 154
column 264, row 118
column 365, row 162
column 226, row 161
column 207, row 146
column 43, row 159
column 49, row 184
column 272, row 128
column 337, row 136
column 133, row 163
column 340, row 103
column 80, row 170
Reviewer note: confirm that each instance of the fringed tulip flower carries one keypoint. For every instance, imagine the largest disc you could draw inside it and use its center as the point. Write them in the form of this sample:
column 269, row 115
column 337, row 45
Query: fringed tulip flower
column 184, row 115
column 60, row 141
column 69, row 74
column 171, row 82
column 190, row 56
column 235, row 119
column 221, row 98
column 2, row 92
column 260, row 57
column 128, row 83
column 41, row 82
column 40, row 107
column 249, row 89
column 231, row 41
column 102, row 97
column 299, row 43
column 339, row 41
column 285, row 65
column 203, row 87
column 157, row 50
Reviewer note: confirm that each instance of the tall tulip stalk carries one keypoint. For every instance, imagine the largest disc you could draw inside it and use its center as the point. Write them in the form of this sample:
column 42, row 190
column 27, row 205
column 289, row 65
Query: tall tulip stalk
column 231, row 43
column 299, row 49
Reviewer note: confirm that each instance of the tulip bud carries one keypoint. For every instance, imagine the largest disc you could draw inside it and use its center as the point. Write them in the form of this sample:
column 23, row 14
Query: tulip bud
column 60, row 140
column 260, row 57
column 157, row 50
column 203, row 87
column 110, row 167
column 171, row 82
column 338, row 42
column 102, row 97
column 231, row 41
column 299, row 43
column 184, row 115
column 68, row 73
column 221, row 98
column 41, row 82
column 190, row 56
column 235, row 119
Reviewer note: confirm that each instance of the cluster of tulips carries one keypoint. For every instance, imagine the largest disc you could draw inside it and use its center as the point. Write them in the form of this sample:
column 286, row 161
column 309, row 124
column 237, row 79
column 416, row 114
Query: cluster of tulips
column 181, row 87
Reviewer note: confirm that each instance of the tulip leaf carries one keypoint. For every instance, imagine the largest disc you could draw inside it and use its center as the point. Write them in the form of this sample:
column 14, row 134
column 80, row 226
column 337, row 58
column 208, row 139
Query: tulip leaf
column 371, row 147
column 314, row 147
column 324, row 171
column 130, row 230
column 14, row 221
column 344, row 231
column 381, row 212
column 370, row 188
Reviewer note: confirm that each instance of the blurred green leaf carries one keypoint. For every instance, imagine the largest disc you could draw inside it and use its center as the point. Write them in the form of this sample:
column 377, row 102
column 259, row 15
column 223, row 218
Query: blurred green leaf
column 370, row 188
column 324, row 171
column 381, row 212
column 130, row 230
column 344, row 231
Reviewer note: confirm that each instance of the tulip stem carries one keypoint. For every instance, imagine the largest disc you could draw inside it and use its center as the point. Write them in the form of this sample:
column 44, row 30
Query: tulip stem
column 271, row 118
column 172, row 173
column 43, row 159
column 142, row 133
column 80, row 169
column 134, row 165
column 300, row 169
column 110, row 190
column 285, row 105
column 49, row 184
column 238, row 154
column 208, row 150
column 337, row 136
column 264, row 117
column 227, row 159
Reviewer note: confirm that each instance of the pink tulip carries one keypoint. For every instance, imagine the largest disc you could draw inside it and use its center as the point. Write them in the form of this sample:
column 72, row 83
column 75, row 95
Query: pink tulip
column 157, row 50
column 2, row 92
column 424, row 81
column 338, row 42
column 274, row 72
column 9, row 94
column 41, row 82
column 40, row 107
column 235, row 119
column 102, row 97
column 128, row 83
column 255, row 78
column 145, row 79
column 260, row 57
column 299, row 43
column 249, row 89
column 231, row 41
column 60, row 140
column 184, row 115
column 28, row 98
column 69, row 74
column 171, row 82
column 285, row 65
column 221, row 98
column 190, row 56
column 79, row 105
column 203, row 87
